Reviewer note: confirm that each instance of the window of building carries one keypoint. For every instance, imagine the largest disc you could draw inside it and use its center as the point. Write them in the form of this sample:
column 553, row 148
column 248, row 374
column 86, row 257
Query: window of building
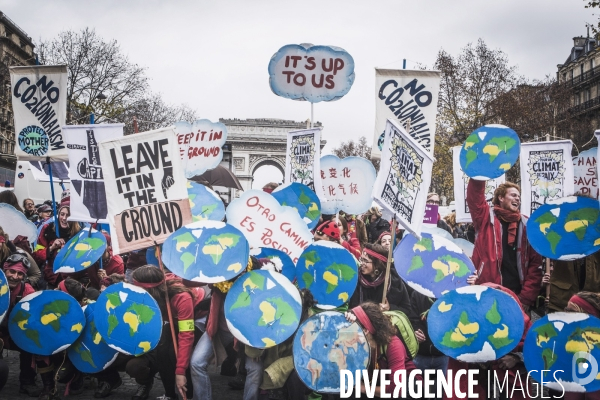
column 577, row 99
column 586, row 95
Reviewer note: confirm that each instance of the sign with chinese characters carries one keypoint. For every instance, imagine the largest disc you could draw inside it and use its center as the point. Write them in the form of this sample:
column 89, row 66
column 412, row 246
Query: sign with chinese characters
column 302, row 159
column 311, row 73
column 347, row 184
column 148, row 198
column 460, row 188
column 546, row 173
column 200, row 145
column 88, row 194
column 585, row 173
column 406, row 95
column 404, row 177
column 266, row 223
column 39, row 103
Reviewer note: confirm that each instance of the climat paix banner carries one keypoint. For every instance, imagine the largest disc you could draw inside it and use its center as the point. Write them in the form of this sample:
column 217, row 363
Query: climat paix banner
column 302, row 158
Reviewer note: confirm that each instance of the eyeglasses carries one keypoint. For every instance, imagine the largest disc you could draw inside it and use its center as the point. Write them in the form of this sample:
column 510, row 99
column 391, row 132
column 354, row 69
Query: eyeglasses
column 364, row 261
column 435, row 202
column 18, row 258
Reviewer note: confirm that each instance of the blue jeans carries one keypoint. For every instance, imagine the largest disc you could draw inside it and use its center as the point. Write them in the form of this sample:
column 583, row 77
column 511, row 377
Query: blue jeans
column 433, row 363
column 254, row 375
column 199, row 364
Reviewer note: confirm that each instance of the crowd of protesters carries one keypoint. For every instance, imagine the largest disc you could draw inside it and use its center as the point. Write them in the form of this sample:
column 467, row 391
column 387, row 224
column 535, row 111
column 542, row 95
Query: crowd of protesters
column 502, row 256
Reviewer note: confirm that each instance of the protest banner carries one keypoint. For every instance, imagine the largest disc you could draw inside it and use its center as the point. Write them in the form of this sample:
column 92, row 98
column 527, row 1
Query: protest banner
column 80, row 252
column 406, row 95
column 200, row 145
column 88, row 197
column 489, row 151
column 347, row 184
column 148, row 197
column 475, row 323
column 311, row 73
column 404, row 177
column 460, row 188
column 546, row 173
column 302, row 158
column 39, row 103
column 266, row 223
column 431, row 214
column 585, row 173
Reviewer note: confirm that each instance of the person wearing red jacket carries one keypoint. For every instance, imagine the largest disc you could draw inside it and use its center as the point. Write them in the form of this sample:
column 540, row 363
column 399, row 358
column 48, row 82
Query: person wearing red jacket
column 502, row 253
column 172, row 369
column 331, row 232
column 48, row 244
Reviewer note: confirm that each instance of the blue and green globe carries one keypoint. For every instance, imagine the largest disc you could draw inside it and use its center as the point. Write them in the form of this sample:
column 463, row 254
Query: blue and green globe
column 475, row 324
column 205, row 204
column 206, row 251
column 90, row 353
column 329, row 271
column 565, row 348
column 263, row 308
column 4, row 296
column 489, row 151
column 302, row 199
column 566, row 229
column 80, row 252
column 46, row 322
column 325, row 345
column 128, row 319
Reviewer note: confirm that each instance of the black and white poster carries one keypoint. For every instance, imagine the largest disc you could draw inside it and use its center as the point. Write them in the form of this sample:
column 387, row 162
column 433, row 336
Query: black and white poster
column 88, row 194
column 302, row 159
column 39, row 102
column 404, row 177
column 146, row 186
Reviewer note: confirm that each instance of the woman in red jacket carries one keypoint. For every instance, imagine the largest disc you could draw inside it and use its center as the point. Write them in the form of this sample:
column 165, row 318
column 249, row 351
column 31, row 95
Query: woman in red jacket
column 48, row 244
column 162, row 359
column 387, row 350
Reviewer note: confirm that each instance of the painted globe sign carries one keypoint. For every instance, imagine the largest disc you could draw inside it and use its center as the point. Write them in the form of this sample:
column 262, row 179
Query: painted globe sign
column 489, row 152
column 282, row 262
column 128, row 319
column 475, row 324
column 206, row 251
column 46, row 322
column 33, row 140
column 204, row 203
column 90, row 353
column 564, row 348
column 565, row 229
column 329, row 271
column 326, row 344
column 302, row 199
column 263, row 308
column 80, row 252
column 432, row 265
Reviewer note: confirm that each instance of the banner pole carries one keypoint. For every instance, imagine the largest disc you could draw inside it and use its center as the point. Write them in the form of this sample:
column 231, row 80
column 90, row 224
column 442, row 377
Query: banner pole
column 53, row 198
column 312, row 113
column 169, row 312
column 389, row 260
column 548, row 259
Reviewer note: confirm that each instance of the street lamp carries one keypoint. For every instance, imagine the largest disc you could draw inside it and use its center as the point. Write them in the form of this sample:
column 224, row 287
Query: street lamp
column 100, row 97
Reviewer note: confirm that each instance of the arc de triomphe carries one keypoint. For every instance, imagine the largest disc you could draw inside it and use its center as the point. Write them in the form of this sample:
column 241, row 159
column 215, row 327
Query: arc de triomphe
column 252, row 143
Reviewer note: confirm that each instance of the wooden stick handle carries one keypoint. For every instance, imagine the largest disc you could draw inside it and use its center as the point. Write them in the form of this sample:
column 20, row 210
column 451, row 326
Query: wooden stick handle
column 389, row 261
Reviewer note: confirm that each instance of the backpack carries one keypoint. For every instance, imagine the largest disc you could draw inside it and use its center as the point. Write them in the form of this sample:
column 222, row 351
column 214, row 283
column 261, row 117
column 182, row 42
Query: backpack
column 405, row 331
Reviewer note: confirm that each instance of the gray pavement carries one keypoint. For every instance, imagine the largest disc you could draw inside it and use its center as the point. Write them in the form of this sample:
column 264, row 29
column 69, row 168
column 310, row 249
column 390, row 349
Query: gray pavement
column 220, row 388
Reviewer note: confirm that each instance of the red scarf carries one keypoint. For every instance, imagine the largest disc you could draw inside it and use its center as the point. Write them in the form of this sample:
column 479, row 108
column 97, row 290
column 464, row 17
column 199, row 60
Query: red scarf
column 512, row 218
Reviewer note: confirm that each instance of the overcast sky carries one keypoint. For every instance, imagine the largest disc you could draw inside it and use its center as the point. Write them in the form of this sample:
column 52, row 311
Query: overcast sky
column 213, row 55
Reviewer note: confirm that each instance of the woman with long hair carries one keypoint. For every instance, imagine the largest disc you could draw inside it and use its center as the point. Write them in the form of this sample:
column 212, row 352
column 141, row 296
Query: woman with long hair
column 49, row 244
column 172, row 369
column 387, row 350
column 9, row 197
column 373, row 263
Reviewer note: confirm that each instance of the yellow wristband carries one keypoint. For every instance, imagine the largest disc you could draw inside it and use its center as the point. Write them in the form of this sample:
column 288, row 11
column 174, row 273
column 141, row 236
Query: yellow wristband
column 186, row 325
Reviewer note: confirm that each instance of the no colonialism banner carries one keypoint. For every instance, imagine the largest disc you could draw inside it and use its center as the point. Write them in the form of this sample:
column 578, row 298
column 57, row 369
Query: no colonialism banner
column 586, row 173
column 460, row 188
column 302, row 158
column 406, row 95
column 146, row 189
column 404, row 177
column 88, row 194
column 546, row 173
column 39, row 101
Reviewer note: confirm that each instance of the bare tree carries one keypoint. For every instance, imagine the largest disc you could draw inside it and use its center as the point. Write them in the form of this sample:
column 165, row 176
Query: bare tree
column 358, row 149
